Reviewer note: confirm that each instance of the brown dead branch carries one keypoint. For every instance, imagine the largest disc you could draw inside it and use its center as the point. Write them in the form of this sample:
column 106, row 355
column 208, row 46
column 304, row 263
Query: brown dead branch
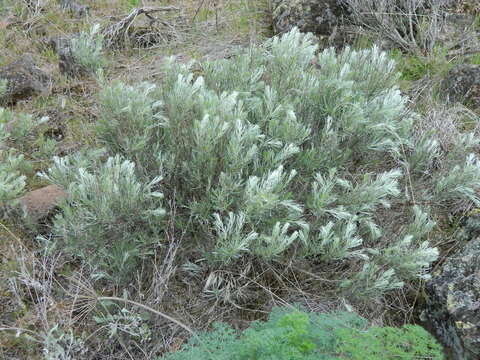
column 124, row 33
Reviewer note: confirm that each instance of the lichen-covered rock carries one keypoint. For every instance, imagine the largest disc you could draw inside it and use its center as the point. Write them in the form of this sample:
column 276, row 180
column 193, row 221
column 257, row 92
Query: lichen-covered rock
column 24, row 79
column 462, row 84
column 453, row 304
column 320, row 17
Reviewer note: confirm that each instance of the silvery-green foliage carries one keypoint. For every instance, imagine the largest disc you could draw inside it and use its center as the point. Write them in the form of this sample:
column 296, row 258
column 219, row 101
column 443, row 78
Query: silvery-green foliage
column 351, row 110
column 132, row 112
column 424, row 154
column 110, row 218
column 12, row 183
column 342, row 202
column 371, row 281
column 87, row 49
column 63, row 171
column 60, row 345
column 421, row 226
column 126, row 324
column 368, row 194
column 266, row 198
column 269, row 246
column 231, row 237
column 336, row 241
column 20, row 127
column 12, row 166
column 408, row 259
column 410, row 255
column 274, row 149
column 461, row 182
column 289, row 69
column 16, row 130
column 372, row 70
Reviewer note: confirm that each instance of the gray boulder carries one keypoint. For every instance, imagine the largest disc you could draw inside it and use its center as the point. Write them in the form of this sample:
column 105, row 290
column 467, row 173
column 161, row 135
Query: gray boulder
column 24, row 79
column 462, row 84
column 453, row 303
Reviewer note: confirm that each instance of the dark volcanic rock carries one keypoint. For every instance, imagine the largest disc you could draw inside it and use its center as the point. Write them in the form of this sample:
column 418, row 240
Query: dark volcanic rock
column 320, row 17
column 453, row 304
column 462, row 84
column 24, row 79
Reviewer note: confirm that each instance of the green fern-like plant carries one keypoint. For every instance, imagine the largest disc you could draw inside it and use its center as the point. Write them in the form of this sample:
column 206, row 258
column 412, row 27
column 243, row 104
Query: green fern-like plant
column 297, row 335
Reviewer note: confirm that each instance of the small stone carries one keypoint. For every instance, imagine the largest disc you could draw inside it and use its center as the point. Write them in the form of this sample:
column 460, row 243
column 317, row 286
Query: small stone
column 40, row 203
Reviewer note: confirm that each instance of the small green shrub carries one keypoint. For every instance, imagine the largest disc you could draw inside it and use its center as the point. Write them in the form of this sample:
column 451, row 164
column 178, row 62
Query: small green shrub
column 110, row 218
column 3, row 87
column 415, row 67
column 17, row 130
column 407, row 342
column 296, row 335
column 87, row 49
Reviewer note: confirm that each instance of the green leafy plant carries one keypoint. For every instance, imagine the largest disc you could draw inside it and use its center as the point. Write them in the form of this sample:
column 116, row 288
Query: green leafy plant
column 407, row 342
column 296, row 335
column 416, row 66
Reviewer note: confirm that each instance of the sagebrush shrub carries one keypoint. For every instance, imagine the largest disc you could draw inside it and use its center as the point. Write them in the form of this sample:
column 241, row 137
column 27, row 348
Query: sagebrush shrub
column 296, row 335
column 16, row 131
column 269, row 151
column 87, row 49
column 110, row 219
